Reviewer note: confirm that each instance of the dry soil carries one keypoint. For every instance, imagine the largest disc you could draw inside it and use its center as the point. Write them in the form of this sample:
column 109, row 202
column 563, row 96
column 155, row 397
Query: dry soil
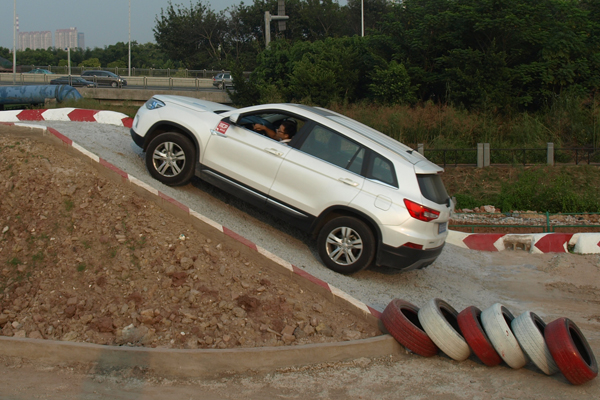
column 85, row 259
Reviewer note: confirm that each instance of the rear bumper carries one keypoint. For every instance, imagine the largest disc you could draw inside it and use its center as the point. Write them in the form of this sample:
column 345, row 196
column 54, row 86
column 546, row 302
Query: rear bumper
column 406, row 258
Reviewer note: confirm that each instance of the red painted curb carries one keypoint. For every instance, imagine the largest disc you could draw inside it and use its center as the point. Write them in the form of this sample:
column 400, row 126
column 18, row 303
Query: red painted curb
column 239, row 238
column 31, row 115
column 554, row 242
column 482, row 241
column 82, row 115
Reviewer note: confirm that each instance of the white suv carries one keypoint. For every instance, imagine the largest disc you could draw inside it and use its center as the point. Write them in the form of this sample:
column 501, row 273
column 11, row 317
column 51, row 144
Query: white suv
column 368, row 199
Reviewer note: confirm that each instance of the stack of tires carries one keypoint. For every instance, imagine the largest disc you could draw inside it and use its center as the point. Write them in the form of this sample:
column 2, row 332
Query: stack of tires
column 493, row 335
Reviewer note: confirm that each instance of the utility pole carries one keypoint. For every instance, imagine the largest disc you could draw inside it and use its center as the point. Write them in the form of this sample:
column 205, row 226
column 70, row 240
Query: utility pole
column 281, row 17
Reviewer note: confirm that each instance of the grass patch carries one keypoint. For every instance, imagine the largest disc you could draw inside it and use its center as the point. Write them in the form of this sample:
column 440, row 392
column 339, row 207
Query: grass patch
column 14, row 261
column 69, row 205
column 565, row 189
column 39, row 256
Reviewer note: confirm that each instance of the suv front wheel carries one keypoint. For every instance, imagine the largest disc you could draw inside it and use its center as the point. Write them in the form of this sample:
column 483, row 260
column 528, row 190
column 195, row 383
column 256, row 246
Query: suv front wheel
column 346, row 245
column 170, row 158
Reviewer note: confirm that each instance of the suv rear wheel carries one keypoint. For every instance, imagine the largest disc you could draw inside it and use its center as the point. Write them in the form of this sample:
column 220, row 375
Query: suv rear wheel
column 170, row 158
column 346, row 245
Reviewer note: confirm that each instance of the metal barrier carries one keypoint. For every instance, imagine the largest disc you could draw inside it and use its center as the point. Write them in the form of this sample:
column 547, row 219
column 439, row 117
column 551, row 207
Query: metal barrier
column 459, row 156
column 484, row 156
column 150, row 72
column 142, row 81
column 548, row 222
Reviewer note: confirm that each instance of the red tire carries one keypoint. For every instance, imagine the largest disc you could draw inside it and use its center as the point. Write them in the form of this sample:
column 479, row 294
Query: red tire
column 469, row 322
column 401, row 320
column 571, row 351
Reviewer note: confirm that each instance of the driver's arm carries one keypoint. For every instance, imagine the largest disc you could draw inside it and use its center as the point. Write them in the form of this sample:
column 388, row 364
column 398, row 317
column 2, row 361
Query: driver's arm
column 261, row 128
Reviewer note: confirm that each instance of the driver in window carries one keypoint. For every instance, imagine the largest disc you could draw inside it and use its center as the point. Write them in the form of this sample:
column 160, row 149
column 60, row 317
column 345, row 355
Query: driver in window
column 283, row 134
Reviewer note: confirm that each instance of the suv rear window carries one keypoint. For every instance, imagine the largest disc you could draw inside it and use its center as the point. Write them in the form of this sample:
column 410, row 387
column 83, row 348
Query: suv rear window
column 432, row 188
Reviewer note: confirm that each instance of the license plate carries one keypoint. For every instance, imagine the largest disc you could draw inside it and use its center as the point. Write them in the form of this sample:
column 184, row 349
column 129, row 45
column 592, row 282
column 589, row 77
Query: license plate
column 442, row 227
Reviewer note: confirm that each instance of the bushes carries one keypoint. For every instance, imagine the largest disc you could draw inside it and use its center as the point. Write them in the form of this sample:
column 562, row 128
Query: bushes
column 557, row 192
column 563, row 189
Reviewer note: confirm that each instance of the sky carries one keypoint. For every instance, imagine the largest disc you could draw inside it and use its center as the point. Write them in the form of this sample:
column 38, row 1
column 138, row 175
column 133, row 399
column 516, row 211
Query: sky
column 105, row 23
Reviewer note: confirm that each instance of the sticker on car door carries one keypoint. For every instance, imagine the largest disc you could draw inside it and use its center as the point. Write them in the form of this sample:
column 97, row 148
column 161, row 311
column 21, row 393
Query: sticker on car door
column 222, row 127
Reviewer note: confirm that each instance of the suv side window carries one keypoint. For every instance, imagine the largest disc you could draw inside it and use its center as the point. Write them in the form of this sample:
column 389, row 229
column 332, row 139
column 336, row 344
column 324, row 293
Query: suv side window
column 381, row 169
column 334, row 148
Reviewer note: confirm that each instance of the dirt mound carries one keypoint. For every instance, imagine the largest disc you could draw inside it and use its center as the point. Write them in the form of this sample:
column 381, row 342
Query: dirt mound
column 83, row 258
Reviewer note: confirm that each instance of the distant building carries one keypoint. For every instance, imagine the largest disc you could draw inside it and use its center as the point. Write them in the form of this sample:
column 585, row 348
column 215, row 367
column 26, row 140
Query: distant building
column 35, row 40
column 64, row 38
column 81, row 40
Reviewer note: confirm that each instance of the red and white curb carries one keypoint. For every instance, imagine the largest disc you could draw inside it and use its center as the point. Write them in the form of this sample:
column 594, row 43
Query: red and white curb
column 67, row 114
column 193, row 214
column 537, row 243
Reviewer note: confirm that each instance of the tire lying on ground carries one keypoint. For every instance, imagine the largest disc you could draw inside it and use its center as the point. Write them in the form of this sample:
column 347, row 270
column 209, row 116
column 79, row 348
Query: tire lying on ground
column 401, row 320
column 571, row 351
column 529, row 330
column 438, row 318
column 469, row 321
column 496, row 321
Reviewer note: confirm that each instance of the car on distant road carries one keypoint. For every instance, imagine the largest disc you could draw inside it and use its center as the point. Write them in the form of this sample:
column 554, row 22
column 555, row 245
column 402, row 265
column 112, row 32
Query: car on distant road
column 74, row 81
column 104, row 78
column 40, row 71
column 223, row 80
column 366, row 198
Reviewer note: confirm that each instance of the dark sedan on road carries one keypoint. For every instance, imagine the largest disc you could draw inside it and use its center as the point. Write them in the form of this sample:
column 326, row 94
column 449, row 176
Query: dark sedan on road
column 74, row 81
column 104, row 78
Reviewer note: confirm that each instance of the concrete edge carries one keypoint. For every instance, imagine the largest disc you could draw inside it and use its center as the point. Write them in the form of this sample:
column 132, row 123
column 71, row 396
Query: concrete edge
column 195, row 363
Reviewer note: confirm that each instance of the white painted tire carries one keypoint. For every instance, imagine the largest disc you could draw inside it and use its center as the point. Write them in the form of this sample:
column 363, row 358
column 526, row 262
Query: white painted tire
column 529, row 330
column 438, row 319
column 496, row 321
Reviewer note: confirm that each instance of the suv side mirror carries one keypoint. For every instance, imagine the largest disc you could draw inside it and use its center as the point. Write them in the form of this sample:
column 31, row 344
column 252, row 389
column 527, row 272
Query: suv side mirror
column 234, row 118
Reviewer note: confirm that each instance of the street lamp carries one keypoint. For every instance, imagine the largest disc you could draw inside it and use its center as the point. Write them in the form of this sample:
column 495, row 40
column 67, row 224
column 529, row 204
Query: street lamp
column 68, row 50
column 129, row 73
column 15, row 44
column 362, row 17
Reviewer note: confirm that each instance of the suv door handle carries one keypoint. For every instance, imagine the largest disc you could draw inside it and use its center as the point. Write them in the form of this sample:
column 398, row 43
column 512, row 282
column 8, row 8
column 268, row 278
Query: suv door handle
column 215, row 132
column 348, row 181
column 274, row 151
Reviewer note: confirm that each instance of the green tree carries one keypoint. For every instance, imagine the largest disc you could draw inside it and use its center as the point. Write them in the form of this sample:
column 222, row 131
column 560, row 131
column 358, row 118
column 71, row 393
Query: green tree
column 392, row 85
column 328, row 72
column 91, row 62
column 193, row 35
column 505, row 54
column 319, row 73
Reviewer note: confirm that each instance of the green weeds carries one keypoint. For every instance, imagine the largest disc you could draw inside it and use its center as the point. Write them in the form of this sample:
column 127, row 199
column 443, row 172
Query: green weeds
column 69, row 205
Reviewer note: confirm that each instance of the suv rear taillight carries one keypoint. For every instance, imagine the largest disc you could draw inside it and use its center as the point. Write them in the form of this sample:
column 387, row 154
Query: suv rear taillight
column 420, row 212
